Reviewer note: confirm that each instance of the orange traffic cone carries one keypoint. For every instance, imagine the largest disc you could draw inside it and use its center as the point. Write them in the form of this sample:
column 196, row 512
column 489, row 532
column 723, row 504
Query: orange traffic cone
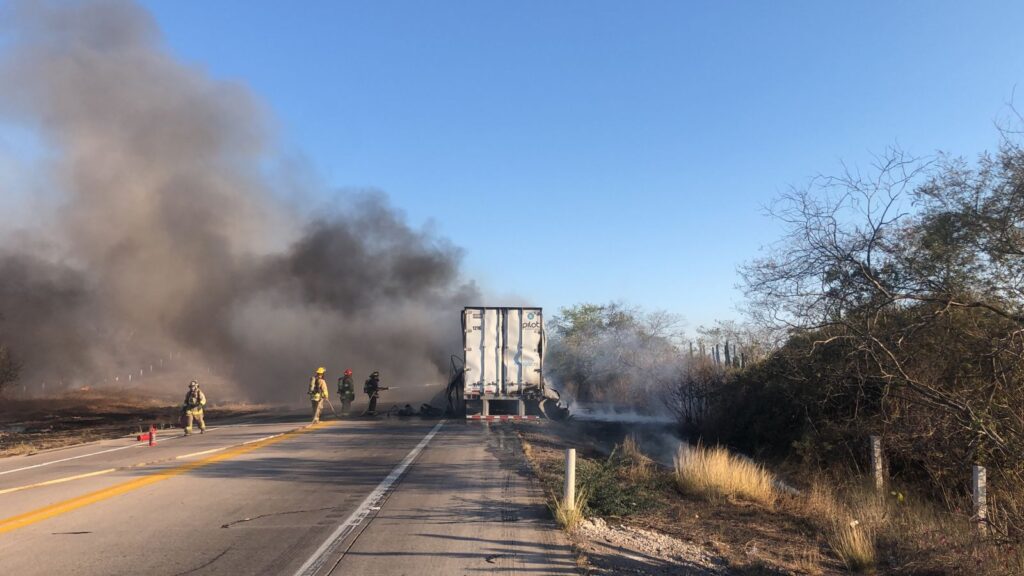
column 152, row 435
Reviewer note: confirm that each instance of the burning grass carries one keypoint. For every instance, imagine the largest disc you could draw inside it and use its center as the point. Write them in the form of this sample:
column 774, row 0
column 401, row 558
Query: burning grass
column 714, row 472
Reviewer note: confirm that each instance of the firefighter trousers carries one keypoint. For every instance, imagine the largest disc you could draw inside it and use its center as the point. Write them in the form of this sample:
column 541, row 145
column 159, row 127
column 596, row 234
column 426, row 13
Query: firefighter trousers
column 196, row 415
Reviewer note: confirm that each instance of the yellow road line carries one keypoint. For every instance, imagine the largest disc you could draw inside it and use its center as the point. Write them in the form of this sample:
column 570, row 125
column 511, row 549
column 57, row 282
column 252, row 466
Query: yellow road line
column 57, row 481
column 28, row 518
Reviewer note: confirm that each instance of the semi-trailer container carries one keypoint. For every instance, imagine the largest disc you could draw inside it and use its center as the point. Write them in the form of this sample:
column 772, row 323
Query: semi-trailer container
column 503, row 370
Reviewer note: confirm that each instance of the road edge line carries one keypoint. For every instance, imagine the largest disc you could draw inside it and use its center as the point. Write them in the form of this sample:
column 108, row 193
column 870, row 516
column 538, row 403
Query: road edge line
column 316, row 562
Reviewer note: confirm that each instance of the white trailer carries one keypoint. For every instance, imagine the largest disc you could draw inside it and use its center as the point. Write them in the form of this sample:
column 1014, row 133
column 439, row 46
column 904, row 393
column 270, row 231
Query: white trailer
column 503, row 372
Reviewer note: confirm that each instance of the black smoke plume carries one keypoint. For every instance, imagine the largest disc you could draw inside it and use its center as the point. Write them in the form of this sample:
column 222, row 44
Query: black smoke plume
column 165, row 253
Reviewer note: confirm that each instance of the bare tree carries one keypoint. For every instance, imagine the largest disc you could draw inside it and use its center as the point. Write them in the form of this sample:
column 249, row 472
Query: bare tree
column 914, row 267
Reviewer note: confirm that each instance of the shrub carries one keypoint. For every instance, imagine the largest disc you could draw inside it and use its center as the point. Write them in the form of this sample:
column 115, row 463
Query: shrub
column 610, row 493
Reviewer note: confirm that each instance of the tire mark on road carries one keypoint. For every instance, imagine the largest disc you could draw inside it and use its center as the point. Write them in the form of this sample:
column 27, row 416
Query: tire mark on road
column 230, row 524
column 204, row 565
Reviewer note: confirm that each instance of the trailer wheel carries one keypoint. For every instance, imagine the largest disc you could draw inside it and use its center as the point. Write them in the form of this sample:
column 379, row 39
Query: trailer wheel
column 552, row 411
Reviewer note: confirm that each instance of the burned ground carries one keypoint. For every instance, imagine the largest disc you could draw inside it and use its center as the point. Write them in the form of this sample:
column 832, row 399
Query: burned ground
column 28, row 426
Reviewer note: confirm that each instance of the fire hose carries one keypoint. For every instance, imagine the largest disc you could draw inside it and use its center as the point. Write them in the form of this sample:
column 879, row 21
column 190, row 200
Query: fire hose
column 328, row 400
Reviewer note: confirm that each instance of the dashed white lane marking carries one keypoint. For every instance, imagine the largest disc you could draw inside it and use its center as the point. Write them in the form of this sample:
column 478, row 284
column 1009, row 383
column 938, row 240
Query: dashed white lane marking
column 58, row 480
column 168, row 439
column 72, row 458
column 372, row 503
column 108, row 470
column 262, row 439
column 210, row 451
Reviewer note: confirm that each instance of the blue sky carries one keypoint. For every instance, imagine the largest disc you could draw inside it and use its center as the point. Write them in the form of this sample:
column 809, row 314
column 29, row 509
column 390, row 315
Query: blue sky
column 591, row 151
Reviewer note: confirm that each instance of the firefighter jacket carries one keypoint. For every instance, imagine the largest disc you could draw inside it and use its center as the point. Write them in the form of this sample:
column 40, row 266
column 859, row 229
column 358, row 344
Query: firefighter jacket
column 317, row 388
column 346, row 388
column 194, row 400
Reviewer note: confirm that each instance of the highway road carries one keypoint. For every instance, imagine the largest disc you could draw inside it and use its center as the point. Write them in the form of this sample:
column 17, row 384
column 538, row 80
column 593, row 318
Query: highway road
column 365, row 497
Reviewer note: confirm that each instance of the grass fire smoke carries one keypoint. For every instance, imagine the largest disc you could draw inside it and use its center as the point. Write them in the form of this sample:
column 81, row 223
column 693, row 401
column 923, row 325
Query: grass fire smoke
column 159, row 238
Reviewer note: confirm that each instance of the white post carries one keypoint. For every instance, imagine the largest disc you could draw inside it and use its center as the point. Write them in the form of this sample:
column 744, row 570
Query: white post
column 979, row 493
column 569, row 497
column 876, row 463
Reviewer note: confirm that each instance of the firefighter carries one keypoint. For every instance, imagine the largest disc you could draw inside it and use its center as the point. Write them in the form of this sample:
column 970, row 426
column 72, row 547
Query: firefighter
column 193, row 408
column 318, row 392
column 346, row 391
column 372, row 389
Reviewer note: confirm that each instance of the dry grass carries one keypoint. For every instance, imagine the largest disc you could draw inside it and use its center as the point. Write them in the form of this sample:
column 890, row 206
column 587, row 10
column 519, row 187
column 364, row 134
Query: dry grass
column 569, row 518
column 810, row 561
column 631, row 448
column 821, row 502
column 527, row 450
column 893, row 533
column 639, row 467
column 854, row 544
column 713, row 471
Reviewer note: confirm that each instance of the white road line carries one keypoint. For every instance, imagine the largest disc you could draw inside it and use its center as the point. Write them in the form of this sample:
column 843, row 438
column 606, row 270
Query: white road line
column 261, row 439
column 58, row 480
column 114, row 449
column 210, row 451
column 370, row 504
column 108, row 470
column 69, row 459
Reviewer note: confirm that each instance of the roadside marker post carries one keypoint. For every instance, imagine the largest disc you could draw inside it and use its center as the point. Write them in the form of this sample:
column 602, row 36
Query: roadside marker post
column 569, row 497
column 877, row 467
column 979, row 493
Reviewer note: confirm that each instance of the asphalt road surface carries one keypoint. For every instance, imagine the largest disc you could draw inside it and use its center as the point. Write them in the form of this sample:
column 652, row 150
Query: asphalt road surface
column 365, row 497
